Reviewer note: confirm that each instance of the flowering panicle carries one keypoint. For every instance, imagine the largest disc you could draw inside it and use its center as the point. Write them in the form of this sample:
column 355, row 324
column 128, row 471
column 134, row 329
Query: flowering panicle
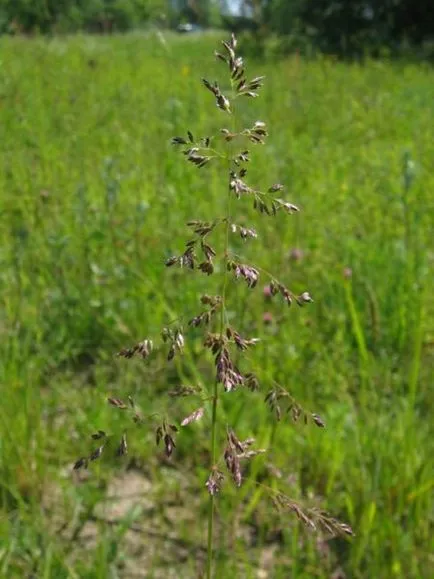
column 278, row 397
column 229, row 150
column 142, row 349
column 314, row 519
column 204, row 318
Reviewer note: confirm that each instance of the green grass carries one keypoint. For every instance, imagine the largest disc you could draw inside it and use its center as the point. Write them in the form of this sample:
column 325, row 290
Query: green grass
column 93, row 199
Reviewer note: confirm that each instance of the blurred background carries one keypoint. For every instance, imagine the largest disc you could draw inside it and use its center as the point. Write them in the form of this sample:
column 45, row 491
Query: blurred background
column 94, row 199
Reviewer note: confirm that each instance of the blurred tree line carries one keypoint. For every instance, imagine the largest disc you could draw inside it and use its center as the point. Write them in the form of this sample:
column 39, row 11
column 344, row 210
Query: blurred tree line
column 60, row 16
column 338, row 26
column 347, row 26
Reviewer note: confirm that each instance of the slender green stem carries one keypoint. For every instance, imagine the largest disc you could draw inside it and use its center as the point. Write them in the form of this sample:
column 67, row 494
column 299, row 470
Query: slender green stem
column 215, row 396
column 211, row 499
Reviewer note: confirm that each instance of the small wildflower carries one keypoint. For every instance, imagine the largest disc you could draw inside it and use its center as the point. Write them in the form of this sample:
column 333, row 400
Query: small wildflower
column 267, row 292
column 267, row 318
column 296, row 254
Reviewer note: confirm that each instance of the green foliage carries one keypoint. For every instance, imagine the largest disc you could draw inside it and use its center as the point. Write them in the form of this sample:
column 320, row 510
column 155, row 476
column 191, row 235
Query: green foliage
column 349, row 27
column 93, row 200
column 71, row 15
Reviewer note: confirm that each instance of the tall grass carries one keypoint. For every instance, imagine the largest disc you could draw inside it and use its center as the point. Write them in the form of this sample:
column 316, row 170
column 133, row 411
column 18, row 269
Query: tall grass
column 90, row 193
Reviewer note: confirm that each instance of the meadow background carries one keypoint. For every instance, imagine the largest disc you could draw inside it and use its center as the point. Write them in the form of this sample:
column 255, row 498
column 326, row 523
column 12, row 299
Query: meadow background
column 93, row 199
